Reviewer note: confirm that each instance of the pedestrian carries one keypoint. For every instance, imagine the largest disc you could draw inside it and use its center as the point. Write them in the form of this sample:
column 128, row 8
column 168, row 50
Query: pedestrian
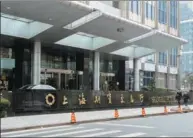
column 178, row 97
column 186, row 97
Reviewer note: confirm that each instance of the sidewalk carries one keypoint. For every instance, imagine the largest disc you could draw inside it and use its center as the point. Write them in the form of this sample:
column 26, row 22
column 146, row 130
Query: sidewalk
column 26, row 122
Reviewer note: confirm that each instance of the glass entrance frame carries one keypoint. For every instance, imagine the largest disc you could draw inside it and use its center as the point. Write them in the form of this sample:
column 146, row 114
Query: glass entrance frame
column 59, row 78
column 106, row 79
column 79, row 80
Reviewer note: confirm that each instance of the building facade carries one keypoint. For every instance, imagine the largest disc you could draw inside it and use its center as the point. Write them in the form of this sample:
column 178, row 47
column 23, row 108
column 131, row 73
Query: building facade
column 186, row 31
column 162, row 66
column 90, row 45
column 187, row 54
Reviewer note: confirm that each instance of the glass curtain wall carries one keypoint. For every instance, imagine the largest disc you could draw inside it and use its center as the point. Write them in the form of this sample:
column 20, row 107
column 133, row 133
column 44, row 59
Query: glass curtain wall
column 15, row 62
column 107, row 75
column 112, row 74
column 58, row 68
column 66, row 69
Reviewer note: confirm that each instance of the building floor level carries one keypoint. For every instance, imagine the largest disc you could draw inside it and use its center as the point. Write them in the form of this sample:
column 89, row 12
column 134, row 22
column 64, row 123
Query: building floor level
column 72, row 45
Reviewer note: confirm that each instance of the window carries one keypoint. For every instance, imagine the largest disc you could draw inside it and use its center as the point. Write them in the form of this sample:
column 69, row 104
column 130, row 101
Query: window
column 135, row 6
column 162, row 12
column 129, row 80
column 149, row 10
column 116, row 4
column 163, row 58
column 173, row 14
column 150, row 58
column 173, row 57
column 147, row 78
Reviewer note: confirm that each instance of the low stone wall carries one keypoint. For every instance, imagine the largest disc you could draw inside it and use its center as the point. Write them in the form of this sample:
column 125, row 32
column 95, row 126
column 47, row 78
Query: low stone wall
column 43, row 100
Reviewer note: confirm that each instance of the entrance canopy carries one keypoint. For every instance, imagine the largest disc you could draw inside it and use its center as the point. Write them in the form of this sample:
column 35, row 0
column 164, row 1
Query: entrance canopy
column 134, row 51
column 40, row 19
column 99, row 30
column 74, row 24
column 115, row 28
column 157, row 40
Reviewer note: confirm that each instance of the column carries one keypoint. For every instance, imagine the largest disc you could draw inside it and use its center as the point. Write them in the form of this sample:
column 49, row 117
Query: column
column 106, row 65
column 123, row 8
column 156, row 14
column 80, row 67
column 96, row 71
column 178, row 83
column 19, row 58
column 36, row 62
column 156, row 70
column 142, row 12
column 168, row 16
column 136, row 74
column 59, row 81
column 168, row 70
column 121, row 75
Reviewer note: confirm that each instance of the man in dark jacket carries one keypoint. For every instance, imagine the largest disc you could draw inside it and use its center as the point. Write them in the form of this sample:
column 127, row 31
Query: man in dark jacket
column 179, row 97
column 186, row 97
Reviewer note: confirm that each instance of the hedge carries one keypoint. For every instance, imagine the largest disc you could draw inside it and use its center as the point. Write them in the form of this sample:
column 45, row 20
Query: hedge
column 4, row 105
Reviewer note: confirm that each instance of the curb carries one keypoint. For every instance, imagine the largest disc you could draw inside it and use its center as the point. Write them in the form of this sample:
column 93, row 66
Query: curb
column 90, row 121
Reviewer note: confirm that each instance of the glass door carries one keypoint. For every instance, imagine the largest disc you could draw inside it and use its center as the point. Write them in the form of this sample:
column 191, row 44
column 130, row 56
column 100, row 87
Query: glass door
column 68, row 80
column 106, row 80
column 50, row 78
column 79, row 80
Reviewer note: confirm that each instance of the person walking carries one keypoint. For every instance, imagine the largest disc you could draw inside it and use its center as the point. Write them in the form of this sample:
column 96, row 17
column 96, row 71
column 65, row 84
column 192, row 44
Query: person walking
column 186, row 97
column 178, row 98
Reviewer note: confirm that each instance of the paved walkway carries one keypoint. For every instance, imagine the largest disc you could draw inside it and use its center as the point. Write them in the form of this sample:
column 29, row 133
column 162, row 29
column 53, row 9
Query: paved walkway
column 159, row 126
column 62, row 118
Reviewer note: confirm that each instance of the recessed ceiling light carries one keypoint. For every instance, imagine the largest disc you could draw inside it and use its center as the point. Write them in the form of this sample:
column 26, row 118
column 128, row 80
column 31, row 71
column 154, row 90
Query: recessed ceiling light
column 8, row 8
column 50, row 19
column 120, row 29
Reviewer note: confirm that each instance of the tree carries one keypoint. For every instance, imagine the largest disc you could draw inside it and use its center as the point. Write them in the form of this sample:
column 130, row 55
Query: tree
column 152, row 85
column 190, row 81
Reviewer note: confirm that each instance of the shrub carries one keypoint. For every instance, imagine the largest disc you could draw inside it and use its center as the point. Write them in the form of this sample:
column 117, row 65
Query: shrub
column 4, row 105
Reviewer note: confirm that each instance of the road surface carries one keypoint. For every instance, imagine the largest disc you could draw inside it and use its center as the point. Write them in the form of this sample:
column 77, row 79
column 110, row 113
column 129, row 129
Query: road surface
column 178, row 125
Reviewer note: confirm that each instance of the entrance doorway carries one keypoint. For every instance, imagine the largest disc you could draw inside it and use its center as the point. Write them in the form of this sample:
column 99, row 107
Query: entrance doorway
column 106, row 80
column 62, row 79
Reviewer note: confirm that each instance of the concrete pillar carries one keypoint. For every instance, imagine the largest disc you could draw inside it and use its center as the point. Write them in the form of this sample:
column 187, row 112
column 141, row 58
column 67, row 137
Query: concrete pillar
column 136, row 74
column 178, row 85
column 59, row 80
column 156, row 14
column 96, row 71
column 36, row 62
column 142, row 12
column 168, row 71
column 156, row 70
column 123, row 8
column 168, row 16
column 178, row 15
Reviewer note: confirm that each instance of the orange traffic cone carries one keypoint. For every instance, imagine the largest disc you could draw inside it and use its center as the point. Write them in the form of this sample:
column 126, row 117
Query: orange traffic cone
column 116, row 115
column 73, row 117
column 165, row 110
column 179, row 109
column 143, row 111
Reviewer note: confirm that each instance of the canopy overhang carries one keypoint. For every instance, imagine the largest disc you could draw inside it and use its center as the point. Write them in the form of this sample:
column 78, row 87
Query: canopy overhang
column 55, row 12
column 112, row 34
column 158, row 40
column 49, row 15
column 113, row 27
column 134, row 51
column 107, row 29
